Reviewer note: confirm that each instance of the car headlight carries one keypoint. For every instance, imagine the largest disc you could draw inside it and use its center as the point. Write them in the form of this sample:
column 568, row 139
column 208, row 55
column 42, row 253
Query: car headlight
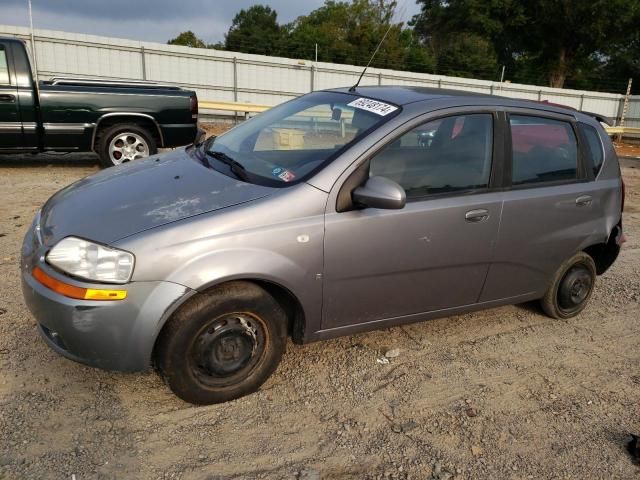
column 91, row 261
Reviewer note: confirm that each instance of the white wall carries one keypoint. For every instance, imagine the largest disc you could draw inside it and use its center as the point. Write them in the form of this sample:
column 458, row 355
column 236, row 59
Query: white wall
column 228, row 76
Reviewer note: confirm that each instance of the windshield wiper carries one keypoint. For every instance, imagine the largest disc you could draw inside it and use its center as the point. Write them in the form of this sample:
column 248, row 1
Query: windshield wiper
column 236, row 167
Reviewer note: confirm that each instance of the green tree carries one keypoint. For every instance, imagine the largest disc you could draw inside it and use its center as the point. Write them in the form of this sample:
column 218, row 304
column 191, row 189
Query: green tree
column 255, row 30
column 187, row 39
column 552, row 39
column 349, row 32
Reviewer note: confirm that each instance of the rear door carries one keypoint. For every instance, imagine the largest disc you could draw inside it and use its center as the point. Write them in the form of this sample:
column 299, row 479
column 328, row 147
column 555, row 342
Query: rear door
column 434, row 253
column 10, row 124
column 550, row 204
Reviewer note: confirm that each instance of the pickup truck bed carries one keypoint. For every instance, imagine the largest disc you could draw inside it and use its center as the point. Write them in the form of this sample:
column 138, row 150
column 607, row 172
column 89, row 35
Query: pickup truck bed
column 119, row 120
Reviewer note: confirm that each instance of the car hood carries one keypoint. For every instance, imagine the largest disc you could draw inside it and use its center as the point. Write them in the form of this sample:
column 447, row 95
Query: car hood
column 127, row 199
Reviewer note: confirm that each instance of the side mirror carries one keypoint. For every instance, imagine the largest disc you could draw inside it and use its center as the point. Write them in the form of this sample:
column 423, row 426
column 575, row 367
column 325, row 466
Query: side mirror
column 380, row 192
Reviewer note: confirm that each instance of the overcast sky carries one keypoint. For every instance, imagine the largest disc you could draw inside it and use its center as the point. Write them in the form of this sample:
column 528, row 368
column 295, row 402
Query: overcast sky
column 152, row 20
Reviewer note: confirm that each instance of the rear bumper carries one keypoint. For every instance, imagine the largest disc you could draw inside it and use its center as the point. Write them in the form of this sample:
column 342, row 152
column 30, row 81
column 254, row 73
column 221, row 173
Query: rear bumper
column 178, row 134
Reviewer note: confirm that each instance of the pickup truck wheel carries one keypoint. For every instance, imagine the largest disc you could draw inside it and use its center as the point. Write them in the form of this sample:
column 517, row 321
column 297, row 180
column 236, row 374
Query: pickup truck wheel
column 222, row 344
column 125, row 143
column 571, row 287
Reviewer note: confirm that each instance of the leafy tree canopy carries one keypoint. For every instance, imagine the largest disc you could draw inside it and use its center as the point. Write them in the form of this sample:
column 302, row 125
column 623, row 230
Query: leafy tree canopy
column 187, row 39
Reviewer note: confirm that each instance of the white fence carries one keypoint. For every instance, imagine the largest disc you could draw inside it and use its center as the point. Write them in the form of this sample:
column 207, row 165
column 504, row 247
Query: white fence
column 228, row 76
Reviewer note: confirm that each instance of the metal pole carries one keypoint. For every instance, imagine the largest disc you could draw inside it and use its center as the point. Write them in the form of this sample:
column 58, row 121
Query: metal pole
column 144, row 64
column 33, row 46
column 313, row 74
column 235, row 87
column 502, row 78
column 625, row 108
column 316, row 53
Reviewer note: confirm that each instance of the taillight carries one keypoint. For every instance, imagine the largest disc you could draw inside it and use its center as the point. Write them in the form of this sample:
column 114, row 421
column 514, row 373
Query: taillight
column 194, row 106
column 623, row 194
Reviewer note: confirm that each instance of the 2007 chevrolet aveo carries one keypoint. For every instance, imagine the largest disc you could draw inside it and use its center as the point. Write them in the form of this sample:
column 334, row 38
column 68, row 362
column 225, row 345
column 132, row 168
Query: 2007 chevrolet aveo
column 337, row 212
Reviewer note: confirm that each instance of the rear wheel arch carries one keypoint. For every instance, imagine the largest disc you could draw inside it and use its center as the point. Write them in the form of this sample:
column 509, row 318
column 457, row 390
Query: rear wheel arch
column 110, row 119
column 605, row 253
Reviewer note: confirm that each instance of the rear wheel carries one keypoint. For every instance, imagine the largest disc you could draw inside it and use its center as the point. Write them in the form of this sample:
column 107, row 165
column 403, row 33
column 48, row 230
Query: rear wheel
column 223, row 344
column 125, row 143
column 571, row 288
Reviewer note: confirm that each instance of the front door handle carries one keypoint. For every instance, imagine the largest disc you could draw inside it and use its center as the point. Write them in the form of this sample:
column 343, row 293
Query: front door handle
column 476, row 216
column 5, row 97
column 584, row 200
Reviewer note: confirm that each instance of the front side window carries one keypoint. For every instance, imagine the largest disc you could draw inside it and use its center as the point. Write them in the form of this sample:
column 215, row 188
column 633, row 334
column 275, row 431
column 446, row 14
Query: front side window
column 594, row 147
column 450, row 154
column 295, row 139
column 544, row 150
column 4, row 66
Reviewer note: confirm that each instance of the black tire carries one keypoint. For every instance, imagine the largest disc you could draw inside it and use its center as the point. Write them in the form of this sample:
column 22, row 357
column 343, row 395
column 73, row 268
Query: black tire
column 571, row 287
column 222, row 344
column 106, row 135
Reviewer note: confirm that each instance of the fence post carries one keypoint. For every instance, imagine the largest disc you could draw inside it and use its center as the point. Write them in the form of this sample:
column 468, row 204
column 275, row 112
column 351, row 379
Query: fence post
column 625, row 108
column 313, row 74
column 235, row 87
column 581, row 101
column 379, row 79
column 144, row 63
column 539, row 95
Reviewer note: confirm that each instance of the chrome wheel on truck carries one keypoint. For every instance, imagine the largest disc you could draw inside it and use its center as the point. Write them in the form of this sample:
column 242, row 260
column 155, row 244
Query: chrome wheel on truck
column 126, row 147
column 124, row 143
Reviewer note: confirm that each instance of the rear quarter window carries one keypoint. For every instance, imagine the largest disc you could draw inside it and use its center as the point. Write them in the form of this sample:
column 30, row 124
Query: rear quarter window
column 543, row 149
column 594, row 150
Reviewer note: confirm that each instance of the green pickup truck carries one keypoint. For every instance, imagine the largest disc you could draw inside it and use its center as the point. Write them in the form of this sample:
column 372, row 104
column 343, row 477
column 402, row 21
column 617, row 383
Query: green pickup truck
column 119, row 120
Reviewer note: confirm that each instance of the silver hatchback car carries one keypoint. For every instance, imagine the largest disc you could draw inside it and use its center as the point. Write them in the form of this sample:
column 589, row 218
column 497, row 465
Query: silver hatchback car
column 337, row 212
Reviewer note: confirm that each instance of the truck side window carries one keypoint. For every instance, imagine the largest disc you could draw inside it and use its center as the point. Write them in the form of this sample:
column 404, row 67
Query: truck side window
column 451, row 154
column 594, row 147
column 4, row 67
column 544, row 150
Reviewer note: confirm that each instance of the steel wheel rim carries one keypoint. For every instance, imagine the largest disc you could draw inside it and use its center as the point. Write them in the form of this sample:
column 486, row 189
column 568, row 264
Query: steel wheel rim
column 126, row 147
column 227, row 349
column 575, row 288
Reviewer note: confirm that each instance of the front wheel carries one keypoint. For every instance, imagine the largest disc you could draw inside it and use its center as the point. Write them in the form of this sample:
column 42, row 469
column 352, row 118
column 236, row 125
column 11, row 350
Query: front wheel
column 571, row 287
column 125, row 143
column 222, row 344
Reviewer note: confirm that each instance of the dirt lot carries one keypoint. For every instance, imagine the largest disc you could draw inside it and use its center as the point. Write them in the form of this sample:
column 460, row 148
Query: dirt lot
column 502, row 394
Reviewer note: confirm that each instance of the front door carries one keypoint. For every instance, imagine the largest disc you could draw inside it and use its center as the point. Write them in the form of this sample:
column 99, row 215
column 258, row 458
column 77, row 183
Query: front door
column 435, row 252
column 10, row 124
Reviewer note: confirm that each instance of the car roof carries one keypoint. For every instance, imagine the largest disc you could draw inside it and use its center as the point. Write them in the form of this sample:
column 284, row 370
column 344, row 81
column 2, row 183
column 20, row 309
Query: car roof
column 404, row 95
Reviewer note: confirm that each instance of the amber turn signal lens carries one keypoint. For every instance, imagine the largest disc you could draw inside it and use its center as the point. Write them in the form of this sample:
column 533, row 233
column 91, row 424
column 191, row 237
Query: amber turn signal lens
column 72, row 291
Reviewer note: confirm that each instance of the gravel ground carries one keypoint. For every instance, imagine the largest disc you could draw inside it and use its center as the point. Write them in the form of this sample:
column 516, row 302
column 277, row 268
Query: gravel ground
column 502, row 394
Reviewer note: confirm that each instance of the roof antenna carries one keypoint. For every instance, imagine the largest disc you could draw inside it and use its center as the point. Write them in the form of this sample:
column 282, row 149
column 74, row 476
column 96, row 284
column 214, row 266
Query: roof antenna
column 353, row 89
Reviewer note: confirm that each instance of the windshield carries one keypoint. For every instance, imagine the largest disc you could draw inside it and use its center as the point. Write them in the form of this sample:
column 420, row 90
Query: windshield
column 292, row 141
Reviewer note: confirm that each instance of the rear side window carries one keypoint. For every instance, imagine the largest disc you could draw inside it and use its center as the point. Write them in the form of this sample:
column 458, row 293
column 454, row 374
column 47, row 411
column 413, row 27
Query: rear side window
column 594, row 147
column 544, row 150
column 4, row 67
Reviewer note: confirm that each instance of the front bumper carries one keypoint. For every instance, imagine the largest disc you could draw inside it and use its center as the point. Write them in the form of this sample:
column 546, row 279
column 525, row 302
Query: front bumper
column 113, row 335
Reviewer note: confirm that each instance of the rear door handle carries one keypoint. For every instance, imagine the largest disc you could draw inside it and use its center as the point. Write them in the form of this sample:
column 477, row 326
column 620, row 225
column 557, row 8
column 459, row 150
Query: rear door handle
column 476, row 216
column 5, row 97
column 584, row 200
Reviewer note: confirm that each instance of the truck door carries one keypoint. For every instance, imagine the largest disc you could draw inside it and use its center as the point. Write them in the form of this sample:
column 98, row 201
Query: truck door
column 10, row 123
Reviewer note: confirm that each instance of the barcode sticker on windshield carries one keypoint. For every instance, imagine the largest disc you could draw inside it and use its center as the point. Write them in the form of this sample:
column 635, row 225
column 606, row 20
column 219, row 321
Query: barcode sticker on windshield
column 374, row 106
